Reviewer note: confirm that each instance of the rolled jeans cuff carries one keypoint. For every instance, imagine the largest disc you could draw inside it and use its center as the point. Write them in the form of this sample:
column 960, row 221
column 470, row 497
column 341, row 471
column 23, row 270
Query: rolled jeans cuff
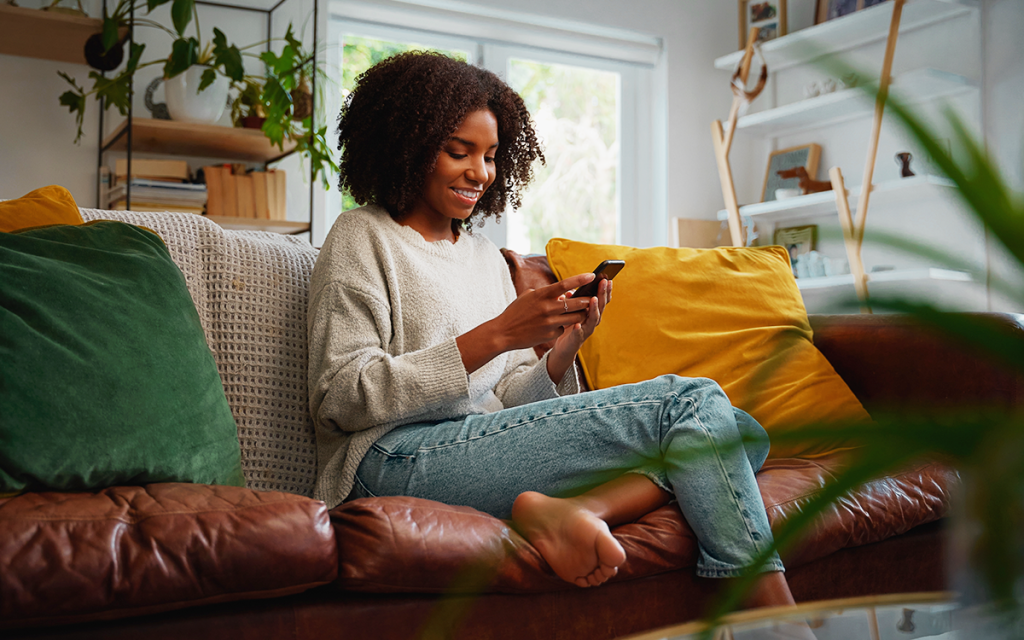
column 709, row 568
column 655, row 475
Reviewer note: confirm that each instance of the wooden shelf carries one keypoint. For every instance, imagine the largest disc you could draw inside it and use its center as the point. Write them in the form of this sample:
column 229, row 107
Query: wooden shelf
column 253, row 224
column 191, row 139
column 49, row 35
column 920, row 85
column 855, row 30
column 917, row 188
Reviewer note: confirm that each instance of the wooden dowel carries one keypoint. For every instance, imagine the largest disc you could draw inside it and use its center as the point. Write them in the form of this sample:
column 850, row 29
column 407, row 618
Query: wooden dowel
column 728, row 187
column 860, row 281
column 876, row 128
column 737, row 102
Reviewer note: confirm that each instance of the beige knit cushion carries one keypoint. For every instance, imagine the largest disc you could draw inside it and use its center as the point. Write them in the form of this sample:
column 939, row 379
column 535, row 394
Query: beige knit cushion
column 251, row 290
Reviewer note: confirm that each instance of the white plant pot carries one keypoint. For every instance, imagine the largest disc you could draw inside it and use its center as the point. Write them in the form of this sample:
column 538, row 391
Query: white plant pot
column 186, row 103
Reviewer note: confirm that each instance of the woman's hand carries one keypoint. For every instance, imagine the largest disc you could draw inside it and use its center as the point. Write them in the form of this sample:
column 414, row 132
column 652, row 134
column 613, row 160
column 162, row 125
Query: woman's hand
column 535, row 317
column 568, row 344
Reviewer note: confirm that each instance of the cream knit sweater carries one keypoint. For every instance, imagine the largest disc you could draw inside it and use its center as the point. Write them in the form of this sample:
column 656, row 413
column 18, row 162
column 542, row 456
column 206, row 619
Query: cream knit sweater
column 385, row 307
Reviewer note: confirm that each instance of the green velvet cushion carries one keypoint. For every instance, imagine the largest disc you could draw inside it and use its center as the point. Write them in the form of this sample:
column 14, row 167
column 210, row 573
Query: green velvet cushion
column 105, row 375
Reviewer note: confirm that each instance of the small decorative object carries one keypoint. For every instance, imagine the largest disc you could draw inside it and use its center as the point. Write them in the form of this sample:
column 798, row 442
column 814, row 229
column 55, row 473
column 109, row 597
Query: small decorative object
column 799, row 241
column 787, row 192
column 831, row 9
column 903, row 159
column 158, row 109
column 302, row 100
column 807, row 184
column 805, row 156
column 769, row 16
column 812, row 89
column 828, row 85
column 849, row 81
column 187, row 103
column 906, row 623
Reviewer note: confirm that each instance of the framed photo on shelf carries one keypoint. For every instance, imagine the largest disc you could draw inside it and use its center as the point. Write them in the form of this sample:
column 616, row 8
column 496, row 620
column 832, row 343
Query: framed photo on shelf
column 769, row 16
column 832, row 9
column 799, row 241
column 805, row 156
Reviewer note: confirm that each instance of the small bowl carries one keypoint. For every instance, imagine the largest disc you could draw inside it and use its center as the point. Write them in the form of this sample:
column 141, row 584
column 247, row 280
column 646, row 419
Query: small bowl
column 787, row 193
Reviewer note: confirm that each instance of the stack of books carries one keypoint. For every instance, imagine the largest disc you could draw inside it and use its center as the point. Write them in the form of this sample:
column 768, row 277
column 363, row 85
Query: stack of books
column 234, row 191
column 155, row 185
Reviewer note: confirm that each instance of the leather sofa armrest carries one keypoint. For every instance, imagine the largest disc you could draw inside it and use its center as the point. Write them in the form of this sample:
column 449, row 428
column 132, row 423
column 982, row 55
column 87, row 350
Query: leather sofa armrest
column 896, row 363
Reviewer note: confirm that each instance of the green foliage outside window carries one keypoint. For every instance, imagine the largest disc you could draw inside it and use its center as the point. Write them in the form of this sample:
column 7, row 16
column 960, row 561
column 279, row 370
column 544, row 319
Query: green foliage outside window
column 574, row 195
column 358, row 55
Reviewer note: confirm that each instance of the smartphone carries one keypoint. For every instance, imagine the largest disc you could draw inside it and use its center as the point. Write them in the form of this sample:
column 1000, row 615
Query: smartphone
column 604, row 271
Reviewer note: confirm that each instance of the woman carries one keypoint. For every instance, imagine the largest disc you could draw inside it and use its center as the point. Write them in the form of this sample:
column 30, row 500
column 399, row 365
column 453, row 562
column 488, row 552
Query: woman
column 422, row 378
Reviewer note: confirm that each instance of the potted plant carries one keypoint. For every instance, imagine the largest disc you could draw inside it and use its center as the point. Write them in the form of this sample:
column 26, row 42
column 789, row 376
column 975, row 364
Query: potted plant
column 196, row 68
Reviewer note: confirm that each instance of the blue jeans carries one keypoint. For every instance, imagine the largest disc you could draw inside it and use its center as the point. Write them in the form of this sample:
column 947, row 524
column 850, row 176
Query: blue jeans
column 682, row 433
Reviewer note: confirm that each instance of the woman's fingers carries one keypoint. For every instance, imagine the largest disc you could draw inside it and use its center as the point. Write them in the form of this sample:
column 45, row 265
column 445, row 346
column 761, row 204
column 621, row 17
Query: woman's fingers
column 564, row 286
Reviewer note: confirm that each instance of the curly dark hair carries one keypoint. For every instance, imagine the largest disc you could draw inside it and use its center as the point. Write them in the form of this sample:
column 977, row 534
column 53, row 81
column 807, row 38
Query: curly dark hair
column 403, row 110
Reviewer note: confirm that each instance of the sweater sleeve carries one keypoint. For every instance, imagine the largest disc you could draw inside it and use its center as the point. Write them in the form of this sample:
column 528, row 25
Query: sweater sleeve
column 525, row 378
column 355, row 384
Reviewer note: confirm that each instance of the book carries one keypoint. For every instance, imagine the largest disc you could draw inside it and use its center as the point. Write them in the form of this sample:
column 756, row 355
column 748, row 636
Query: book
column 158, row 207
column 260, row 194
column 214, row 190
column 280, row 209
column 166, row 170
column 230, row 191
column 188, row 195
column 246, row 204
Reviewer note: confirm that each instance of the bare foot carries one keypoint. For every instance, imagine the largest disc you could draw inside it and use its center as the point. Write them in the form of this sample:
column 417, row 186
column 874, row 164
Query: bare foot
column 575, row 542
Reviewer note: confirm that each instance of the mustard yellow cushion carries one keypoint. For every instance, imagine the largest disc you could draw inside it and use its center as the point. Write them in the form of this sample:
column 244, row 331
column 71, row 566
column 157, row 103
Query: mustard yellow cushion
column 39, row 208
column 731, row 314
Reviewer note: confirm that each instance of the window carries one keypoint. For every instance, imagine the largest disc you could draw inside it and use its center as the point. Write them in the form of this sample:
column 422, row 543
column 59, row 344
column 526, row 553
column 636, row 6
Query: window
column 584, row 108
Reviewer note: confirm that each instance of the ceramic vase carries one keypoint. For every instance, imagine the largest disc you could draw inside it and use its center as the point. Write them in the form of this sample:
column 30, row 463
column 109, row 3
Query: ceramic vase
column 187, row 104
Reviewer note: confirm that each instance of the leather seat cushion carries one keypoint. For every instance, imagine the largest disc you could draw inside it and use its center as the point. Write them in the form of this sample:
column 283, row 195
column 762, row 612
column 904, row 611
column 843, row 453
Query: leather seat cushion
column 69, row 557
column 402, row 544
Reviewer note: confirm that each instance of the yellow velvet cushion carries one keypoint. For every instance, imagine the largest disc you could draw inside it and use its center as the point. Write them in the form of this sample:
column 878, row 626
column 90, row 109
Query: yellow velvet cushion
column 731, row 314
column 39, row 208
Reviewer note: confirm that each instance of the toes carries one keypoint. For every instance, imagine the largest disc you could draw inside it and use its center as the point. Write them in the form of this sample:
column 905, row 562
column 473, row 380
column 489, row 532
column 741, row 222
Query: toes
column 609, row 551
column 581, row 582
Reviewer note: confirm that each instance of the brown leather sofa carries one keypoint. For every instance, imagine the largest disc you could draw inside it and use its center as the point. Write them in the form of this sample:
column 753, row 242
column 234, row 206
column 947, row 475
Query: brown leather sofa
column 191, row 561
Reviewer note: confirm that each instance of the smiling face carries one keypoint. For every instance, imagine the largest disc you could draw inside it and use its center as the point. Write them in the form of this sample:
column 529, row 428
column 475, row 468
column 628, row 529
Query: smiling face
column 463, row 171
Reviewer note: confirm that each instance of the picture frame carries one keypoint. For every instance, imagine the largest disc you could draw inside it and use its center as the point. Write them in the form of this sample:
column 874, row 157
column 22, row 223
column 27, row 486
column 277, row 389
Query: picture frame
column 806, row 156
column 831, row 9
column 768, row 15
column 799, row 241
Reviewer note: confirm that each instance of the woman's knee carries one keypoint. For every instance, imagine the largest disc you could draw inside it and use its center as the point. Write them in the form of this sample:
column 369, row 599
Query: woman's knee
column 704, row 393
column 755, row 438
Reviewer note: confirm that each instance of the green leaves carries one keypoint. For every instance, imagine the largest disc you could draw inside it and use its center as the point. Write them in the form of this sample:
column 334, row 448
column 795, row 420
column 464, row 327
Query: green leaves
column 227, row 56
column 111, row 26
column 181, row 14
column 184, row 54
column 74, row 101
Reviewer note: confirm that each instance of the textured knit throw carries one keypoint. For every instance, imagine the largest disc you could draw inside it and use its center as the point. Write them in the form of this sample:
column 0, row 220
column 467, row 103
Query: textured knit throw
column 251, row 291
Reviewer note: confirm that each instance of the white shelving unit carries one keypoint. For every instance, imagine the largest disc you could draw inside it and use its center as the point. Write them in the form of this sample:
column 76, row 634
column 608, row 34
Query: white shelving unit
column 849, row 32
column 920, row 85
column 915, row 86
column 895, row 275
column 821, row 204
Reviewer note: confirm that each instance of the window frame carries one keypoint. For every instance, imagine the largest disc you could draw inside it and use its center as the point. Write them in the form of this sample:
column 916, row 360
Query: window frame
column 501, row 35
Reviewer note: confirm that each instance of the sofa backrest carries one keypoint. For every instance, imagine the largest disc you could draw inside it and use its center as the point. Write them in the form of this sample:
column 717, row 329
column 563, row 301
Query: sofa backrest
column 251, row 290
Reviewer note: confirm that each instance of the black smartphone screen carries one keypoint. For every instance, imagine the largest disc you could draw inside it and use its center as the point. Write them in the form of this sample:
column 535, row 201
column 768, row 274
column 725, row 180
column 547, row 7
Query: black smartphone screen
column 604, row 271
